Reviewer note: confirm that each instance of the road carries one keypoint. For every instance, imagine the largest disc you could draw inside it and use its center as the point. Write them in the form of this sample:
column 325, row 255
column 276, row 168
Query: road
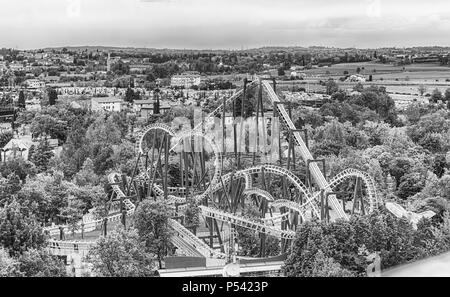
column 438, row 266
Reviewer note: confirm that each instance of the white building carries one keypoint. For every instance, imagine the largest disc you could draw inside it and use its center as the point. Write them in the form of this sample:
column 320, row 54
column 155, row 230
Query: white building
column 33, row 104
column 35, row 84
column 17, row 147
column 185, row 80
column 106, row 103
column 356, row 78
column 16, row 66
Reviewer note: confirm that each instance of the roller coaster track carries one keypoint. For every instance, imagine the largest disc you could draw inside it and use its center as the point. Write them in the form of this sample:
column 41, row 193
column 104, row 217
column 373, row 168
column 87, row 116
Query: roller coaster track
column 315, row 171
column 371, row 188
column 258, row 192
column 186, row 241
column 246, row 223
column 189, row 134
column 190, row 244
column 284, row 173
column 306, row 154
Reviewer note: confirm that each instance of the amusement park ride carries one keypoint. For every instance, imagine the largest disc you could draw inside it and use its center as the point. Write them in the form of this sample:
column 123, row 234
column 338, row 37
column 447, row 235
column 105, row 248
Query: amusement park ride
column 225, row 184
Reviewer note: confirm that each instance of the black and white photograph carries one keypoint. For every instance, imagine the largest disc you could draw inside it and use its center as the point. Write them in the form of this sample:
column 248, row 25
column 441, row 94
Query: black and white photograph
column 224, row 143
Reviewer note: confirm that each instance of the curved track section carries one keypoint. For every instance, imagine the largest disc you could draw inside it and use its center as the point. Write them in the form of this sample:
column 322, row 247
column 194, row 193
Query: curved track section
column 258, row 192
column 306, row 154
column 246, row 223
column 367, row 180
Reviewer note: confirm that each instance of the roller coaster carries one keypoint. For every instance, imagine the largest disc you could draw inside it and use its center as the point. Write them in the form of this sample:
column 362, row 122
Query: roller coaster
column 224, row 189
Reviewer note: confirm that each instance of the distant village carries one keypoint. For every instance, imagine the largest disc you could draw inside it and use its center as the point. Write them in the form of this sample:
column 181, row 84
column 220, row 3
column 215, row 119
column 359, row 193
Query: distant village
column 139, row 81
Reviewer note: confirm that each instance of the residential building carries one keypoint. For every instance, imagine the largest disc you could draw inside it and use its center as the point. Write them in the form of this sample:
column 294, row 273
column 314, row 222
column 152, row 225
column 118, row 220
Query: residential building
column 106, row 103
column 16, row 66
column 17, row 147
column 138, row 104
column 147, row 110
column 34, row 84
column 186, row 80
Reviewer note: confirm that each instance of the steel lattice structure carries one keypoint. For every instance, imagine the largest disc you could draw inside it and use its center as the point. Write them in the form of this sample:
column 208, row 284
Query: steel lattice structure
column 219, row 183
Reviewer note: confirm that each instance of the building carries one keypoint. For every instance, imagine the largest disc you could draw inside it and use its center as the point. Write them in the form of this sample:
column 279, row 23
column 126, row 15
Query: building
column 106, row 103
column 16, row 66
column 17, row 148
column 138, row 104
column 146, row 110
column 139, row 68
column 33, row 104
column 34, row 84
column 185, row 80
column 356, row 78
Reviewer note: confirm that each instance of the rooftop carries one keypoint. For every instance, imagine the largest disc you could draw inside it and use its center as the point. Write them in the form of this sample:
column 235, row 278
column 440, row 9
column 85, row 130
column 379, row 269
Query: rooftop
column 107, row 100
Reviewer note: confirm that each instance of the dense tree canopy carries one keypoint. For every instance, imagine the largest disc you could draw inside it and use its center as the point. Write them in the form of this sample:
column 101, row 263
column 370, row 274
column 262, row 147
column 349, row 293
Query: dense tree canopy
column 121, row 254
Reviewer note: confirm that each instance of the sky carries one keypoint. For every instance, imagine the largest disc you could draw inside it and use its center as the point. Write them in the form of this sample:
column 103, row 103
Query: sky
column 224, row 24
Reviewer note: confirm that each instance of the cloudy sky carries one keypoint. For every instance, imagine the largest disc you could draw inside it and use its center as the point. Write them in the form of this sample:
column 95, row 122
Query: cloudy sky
column 228, row 24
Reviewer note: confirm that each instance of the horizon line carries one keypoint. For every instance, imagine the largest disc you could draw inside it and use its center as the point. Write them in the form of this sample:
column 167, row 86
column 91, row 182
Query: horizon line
column 230, row 49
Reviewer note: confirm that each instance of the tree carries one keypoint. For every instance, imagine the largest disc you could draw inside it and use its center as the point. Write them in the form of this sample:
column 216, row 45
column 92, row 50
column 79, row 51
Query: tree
column 347, row 243
column 422, row 89
column 31, row 152
column 447, row 97
column 42, row 155
column 332, row 87
column 359, row 87
column 72, row 213
column 8, row 264
column 281, row 72
column 19, row 231
column 39, row 263
column 131, row 95
column 192, row 217
column 5, row 137
column 46, row 195
column 156, row 104
column 21, row 99
column 121, row 254
column 19, row 167
column 52, row 97
column 436, row 96
column 87, row 176
column 447, row 94
column 249, row 108
column 151, row 220
column 410, row 184
column 399, row 167
column 430, row 131
column 48, row 125
column 8, row 188
column 120, row 68
column 323, row 266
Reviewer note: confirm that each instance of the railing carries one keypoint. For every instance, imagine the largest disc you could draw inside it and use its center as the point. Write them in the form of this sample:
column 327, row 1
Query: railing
column 246, row 223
